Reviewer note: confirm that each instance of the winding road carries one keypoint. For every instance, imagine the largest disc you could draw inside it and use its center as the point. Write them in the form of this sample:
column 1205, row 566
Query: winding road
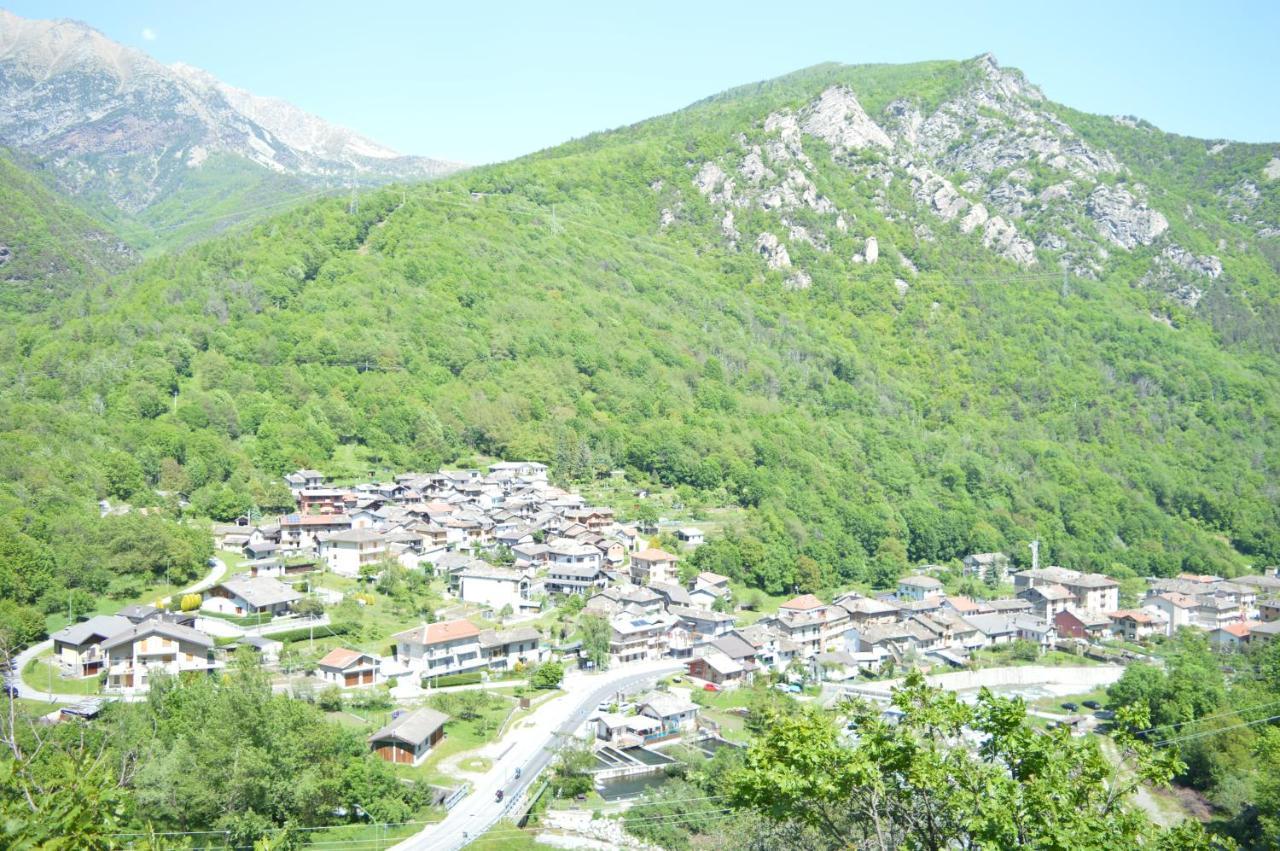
column 217, row 569
column 534, row 744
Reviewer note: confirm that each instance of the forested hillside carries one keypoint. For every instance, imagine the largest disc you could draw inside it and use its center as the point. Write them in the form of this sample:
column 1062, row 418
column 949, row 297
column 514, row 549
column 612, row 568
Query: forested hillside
column 48, row 247
column 837, row 299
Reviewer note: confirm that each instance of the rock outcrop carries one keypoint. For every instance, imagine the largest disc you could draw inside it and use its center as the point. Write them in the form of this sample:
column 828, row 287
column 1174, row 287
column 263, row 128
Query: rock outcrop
column 773, row 251
column 1123, row 219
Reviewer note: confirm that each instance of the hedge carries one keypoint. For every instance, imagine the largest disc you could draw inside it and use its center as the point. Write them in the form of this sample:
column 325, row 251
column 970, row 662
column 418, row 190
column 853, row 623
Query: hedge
column 466, row 679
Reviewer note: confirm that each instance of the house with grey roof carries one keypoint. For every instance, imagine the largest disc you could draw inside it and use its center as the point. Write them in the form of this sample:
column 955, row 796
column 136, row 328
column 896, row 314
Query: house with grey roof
column 77, row 649
column 137, row 655
column 409, row 738
column 251, row 595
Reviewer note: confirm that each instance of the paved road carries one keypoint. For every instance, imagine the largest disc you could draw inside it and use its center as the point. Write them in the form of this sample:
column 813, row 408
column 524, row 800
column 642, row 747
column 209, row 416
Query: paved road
column 533, row 748
column 216, row 572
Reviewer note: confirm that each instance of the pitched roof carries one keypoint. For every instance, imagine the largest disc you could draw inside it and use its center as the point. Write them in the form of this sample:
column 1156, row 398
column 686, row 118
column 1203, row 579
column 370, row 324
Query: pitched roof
column 438, row 633
column 101, row 626
column 653, row 554
column 722, row 664
column 803, row 603
column 497, row 638
column 259, row 591
column 963, row 605
column 920, row 581
column 667, row 704
column 412, row 728
column 1239, row 630
column 341, row 658
column 158, row 627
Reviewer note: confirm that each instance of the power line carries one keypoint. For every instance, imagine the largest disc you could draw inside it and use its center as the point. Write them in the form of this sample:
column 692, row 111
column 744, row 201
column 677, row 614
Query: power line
column 1208, row 733
column 1207, row 717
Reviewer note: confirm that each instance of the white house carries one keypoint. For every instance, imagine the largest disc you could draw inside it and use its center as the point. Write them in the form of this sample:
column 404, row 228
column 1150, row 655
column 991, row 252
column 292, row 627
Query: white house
column 345, row 667
column 78, row 648
column 447, row 647
column 154, row 646
column 483, row 584
column 346, row 552
column 251, row 595
column 677, row 714
column 653, row 565
column 918, row 587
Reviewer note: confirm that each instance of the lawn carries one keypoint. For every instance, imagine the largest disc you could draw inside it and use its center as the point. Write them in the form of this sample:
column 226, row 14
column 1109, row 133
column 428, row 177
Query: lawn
column 1054, row 704
column 460, row 736
column 45, row 675
column 373, row 836
column 506, row 836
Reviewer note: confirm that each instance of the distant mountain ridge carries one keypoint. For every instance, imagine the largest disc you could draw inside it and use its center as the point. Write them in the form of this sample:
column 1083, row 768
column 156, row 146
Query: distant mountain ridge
column 126, row 133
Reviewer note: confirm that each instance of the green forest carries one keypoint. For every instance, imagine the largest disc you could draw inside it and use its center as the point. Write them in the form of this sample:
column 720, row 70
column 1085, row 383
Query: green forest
column 539, row 309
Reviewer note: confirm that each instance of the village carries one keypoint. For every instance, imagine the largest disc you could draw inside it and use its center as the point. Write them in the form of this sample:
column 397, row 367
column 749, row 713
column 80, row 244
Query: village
column 390, row 602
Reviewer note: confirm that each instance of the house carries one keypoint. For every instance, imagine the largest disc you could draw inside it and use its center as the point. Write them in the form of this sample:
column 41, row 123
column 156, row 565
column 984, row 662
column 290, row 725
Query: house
column 345, row 667
column 691, row 536
column 251, row 595
column 155, row 646
column 995, row 629
column 702, row 623
column 77, row 648
column 575, row 579
column 1077, row 623
column 229, row 536
column 303, row 479
column 322, row 501
column 531, row 470
column 409, row 738
column 1263, row 630
column 268, row 649
column 1047, row 600
column 653, row 565
column 258, row 550
column 564, row 552
column 676, row 713
column 497, row 587
column 865, row 610
column 1178, row 609
column 716, row 667
column 447, row 647
column 638, row 638
column 628, row 729
column 299, row 532
column 803, row 604
column 1039, row 631
column 504, row 649
column 672, row 594
column 1269, row 609
column 1091, row 592
column 1135, row 625
column 992, row 568
column 1233, row 636
column 347, row 551
column 918, row 587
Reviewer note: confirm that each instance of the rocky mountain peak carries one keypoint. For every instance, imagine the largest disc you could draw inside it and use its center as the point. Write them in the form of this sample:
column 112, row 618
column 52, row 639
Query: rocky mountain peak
column 108, row 120
column 994, row 162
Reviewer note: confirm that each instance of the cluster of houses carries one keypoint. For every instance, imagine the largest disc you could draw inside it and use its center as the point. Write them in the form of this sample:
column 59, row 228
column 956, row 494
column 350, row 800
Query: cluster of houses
column 1234, row 612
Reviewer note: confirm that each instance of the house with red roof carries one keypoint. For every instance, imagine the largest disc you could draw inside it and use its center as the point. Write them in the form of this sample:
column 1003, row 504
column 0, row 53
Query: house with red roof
column 435, row 649
column 346, row 667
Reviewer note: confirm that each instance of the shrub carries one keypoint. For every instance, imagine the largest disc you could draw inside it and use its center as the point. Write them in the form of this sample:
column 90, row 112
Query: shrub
column 330, row 700
column 190, row 602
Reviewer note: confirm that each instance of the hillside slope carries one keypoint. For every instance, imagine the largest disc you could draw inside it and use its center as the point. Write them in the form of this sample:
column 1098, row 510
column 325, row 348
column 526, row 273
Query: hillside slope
column 48, row 248
column 169, row 153
column 781, row 297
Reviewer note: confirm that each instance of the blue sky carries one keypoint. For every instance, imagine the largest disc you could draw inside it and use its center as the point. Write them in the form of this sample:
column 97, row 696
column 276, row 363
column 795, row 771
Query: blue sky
column 480, row 82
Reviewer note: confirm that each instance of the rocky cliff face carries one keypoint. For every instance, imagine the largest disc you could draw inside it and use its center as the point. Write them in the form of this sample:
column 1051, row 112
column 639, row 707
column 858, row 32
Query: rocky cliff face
column 110, row 121
column 993, row 162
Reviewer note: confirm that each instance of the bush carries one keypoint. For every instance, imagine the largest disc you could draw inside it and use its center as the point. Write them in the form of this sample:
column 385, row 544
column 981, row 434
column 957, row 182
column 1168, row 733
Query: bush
column 330, row 700
column 190, row 602
column 547, row 676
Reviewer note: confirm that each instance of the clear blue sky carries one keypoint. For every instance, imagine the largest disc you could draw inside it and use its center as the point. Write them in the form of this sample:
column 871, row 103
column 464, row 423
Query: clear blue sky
column 480, row 82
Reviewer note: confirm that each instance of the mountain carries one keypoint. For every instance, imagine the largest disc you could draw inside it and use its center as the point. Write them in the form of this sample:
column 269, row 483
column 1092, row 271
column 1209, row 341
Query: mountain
column 893, row 314
column 160, row 145
column 48, row 247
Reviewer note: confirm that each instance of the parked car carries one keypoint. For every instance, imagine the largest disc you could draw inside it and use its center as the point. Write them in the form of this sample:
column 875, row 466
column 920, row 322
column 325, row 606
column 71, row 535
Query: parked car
column 1092, row 704
column 498, row 796
column 1070, row 707
column 519, row 771
column 711, row 687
